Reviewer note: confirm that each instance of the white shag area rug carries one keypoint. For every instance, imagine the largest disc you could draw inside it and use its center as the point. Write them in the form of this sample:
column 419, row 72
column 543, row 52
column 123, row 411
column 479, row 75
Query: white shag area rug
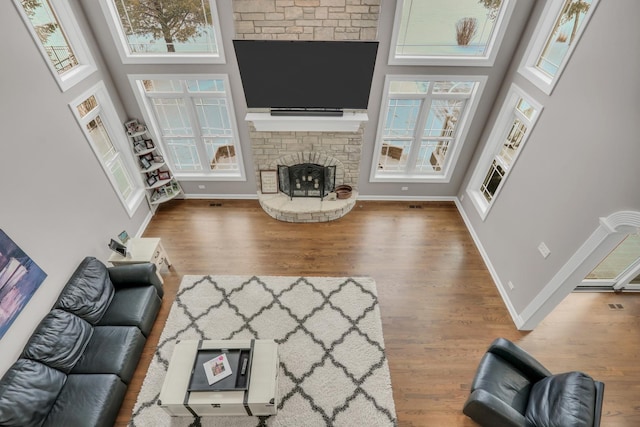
column 333, row 368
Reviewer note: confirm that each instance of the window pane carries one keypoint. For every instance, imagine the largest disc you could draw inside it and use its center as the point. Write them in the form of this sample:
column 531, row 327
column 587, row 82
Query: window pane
column 563, row 35
column 401, row 119
column 453, row 87
column 394, row 155
column 205, row 86
column 492, row 181
column 184, row 153
column 87, row 106
column 432, row 155
column 222, row 153
column 162, row 86
column 172, row 117
column 153, row 27
column 408, row 87
column 213, row 116
column 461, row 28
column 512, row 144
column 443, row 117
column 525, row 108
column 50, row 33
column 121, row 177
column 101, row 139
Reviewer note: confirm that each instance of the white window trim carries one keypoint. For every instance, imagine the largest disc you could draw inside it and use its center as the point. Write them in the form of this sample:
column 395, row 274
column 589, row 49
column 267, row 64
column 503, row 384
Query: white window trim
column 456, row 148
column 487, row 60
column 86, row 64
column 118, row 139
column 154, row 127
column 120, row 40
column 528, row 67
column 494, row 144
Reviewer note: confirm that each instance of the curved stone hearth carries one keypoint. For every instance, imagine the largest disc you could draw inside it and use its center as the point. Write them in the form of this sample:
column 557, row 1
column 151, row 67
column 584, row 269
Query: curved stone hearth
column 305, row 209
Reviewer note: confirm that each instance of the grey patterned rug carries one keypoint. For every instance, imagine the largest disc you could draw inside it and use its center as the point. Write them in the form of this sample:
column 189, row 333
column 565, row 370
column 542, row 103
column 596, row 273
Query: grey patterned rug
column 333, row 369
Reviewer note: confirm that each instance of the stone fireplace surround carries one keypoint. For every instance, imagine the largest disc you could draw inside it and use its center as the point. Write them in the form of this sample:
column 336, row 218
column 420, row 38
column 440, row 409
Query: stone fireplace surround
column 307, row 209
column 307, row 20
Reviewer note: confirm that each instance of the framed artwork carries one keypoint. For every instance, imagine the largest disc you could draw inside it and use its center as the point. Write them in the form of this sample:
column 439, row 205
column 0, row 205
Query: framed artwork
column 148, row 143
column 268, row 181
column 20, row 277
column 151, row 180
column 164, row 175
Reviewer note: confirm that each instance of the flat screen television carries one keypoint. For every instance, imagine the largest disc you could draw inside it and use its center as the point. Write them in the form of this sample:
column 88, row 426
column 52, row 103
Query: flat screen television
column 306, row 75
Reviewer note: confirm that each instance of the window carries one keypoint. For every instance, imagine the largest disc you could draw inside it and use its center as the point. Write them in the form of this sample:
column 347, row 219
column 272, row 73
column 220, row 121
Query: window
column 445, row 32
column 55, row 30
column 195, row 120
column 421, row 126
column 149, row 31
column 97, row 117
column 513, row 126
column 558, row 35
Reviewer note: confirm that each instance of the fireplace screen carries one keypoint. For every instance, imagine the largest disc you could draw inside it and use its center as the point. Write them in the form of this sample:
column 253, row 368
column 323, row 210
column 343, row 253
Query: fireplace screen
column 306, row 180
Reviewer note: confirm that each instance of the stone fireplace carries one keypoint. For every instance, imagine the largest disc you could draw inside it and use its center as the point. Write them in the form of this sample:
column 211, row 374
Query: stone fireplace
column 304, row 143
column 309, row 207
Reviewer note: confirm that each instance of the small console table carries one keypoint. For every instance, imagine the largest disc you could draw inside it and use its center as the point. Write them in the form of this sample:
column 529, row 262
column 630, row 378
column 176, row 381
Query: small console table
column 141, row 250
column 250, row 390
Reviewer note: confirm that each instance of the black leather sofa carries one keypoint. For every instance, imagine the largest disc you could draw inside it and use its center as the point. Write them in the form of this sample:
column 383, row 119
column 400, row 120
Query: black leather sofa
column 512, row 389
column 76, row 366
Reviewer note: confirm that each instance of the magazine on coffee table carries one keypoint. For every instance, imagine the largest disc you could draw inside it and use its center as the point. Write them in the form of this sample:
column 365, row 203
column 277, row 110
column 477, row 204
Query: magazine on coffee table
column 217, row 368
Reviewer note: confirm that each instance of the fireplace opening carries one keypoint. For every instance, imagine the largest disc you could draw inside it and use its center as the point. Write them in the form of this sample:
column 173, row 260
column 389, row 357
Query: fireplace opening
column 306, row 180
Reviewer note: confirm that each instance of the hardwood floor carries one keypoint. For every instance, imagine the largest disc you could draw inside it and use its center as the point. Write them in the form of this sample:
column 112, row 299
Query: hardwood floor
column 440, row 308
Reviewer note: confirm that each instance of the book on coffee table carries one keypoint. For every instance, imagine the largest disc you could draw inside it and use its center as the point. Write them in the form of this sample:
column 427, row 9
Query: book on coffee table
column 217, row 368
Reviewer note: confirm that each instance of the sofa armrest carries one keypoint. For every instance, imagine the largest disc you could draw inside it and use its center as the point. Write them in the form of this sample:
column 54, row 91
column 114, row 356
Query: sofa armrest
column 488, row 410
column 129, row 275
column 599, row 399
column 519, row 358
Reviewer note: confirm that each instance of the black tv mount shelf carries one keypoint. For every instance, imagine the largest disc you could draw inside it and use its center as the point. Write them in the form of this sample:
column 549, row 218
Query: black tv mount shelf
column 308, row 112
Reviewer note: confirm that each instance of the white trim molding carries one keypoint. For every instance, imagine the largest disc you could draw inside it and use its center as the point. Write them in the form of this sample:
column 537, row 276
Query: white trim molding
column 611, row 231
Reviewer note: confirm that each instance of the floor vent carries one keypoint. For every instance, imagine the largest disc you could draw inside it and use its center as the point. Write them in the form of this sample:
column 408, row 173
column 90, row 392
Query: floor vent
column 215, row 205
column 616, row 307
column 415, row 206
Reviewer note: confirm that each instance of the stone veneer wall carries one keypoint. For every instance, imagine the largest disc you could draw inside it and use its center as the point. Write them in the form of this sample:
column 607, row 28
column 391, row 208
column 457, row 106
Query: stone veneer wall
column 307, row 20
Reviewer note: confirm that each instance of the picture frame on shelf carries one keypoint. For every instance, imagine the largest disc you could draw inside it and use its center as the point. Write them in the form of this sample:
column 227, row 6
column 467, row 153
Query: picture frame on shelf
column 124, row 237
column 145, row 163
column 151, row 180
column 149, row 157
column 139, row 147
column 132, row 127
column 164, row 175
column 149, row 144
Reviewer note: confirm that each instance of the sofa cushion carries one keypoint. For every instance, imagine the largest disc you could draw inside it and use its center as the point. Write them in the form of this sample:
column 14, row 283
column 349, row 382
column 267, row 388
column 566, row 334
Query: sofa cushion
column 88, row 292
column 59, row 340
column 136, row 306
column 563, row 400
column 112, row 350
column 88, row 400
column 28, row 391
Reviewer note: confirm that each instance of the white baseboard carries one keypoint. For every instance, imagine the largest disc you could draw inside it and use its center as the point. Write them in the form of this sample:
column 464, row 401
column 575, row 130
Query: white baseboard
column 517, row 319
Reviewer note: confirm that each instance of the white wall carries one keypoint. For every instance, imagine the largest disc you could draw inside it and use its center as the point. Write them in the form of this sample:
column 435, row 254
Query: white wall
column 580, row 162
column 56, row 202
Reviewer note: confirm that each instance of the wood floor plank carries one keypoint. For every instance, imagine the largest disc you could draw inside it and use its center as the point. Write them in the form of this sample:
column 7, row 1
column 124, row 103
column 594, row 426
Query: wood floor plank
column 440, row 308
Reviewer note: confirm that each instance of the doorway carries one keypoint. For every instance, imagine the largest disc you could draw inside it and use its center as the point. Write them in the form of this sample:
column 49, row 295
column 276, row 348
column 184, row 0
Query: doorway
column 618, row 271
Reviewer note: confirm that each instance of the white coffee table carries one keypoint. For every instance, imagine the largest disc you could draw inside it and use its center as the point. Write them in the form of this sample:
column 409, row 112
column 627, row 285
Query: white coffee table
column 257, row 394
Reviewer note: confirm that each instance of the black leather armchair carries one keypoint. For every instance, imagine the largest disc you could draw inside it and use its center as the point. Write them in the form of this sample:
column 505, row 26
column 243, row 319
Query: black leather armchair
column 512, row 389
